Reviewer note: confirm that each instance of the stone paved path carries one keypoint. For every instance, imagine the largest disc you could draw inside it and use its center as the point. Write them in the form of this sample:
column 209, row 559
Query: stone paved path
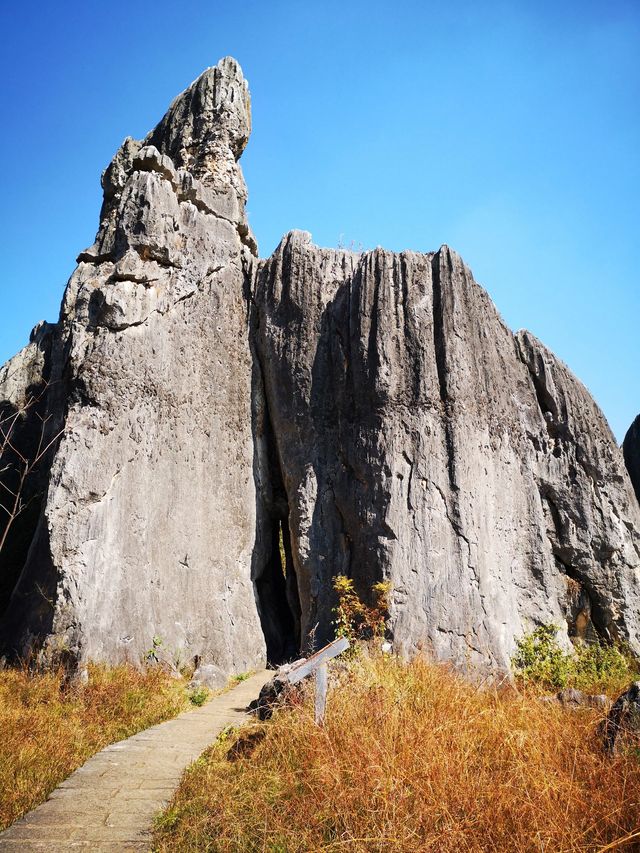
column 108, row 804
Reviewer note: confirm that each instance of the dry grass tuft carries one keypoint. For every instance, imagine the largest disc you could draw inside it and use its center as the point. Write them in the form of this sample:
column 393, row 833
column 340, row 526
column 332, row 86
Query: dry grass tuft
column 412, row 758
column 47, row 729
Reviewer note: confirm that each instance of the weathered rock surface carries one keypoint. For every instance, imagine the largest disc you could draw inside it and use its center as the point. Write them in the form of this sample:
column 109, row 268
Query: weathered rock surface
column 277, row 692
column 209, row 675
column 631, row 449
column 148, row 524
column 572, row 698
column 420, row 441
column 622, row 725
column 238, row 431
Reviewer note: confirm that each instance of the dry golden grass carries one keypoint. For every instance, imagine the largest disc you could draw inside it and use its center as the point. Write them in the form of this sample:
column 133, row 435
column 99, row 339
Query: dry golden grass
column 46, row 731
column 412, row 758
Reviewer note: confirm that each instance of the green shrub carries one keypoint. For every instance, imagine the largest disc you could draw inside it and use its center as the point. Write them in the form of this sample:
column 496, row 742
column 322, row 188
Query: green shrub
column 603, row 666
column 539, row 659
column 198, row 696
column 354, row 619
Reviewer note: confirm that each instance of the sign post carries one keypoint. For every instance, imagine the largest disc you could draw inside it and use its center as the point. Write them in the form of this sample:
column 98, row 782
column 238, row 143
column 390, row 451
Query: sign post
column 322, row 679
column 318, row 664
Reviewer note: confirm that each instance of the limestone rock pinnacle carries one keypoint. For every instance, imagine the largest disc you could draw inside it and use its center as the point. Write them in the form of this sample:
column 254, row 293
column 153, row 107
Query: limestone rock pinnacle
column 224, row 434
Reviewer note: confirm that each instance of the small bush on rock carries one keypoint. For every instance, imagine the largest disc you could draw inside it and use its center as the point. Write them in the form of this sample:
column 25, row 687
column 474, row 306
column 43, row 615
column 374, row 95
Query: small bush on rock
column 539, row 659
column 354, row 620
column 198, row 696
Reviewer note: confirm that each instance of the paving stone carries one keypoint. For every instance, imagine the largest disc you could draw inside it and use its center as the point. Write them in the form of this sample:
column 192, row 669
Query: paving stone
column 108, row 804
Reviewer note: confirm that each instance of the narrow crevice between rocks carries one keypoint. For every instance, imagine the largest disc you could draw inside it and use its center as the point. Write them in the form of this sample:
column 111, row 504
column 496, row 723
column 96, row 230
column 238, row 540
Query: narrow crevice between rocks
column 440, row 351
column 28, row 619
column 587, row 598
column 16, row 534
column 595, row 624
column 631, row 453
column 273, row 570
column 577, row 607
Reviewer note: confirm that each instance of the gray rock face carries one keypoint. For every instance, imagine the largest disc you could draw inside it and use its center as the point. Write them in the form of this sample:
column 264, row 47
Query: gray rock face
column 148, row 524
column 419, row 441
column 623, row 721
column 209, row 675
column 631, row 449
column 235, row 432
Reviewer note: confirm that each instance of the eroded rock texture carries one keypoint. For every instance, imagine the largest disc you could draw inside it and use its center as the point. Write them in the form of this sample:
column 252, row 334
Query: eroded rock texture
column 420, row 441
column 230, row 433
column 148, row 524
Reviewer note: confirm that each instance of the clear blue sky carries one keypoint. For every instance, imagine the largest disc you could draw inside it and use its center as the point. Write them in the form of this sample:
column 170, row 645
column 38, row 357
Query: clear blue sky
column 509, row 131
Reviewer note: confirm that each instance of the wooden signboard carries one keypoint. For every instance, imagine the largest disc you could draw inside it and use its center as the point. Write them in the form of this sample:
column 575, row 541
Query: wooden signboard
column 318, row 664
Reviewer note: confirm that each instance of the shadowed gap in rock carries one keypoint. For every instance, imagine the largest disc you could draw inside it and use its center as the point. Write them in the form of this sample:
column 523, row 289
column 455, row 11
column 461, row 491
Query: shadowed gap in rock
column 24, row 434
column 273, row 571
column 279, row 603
column 28, row 578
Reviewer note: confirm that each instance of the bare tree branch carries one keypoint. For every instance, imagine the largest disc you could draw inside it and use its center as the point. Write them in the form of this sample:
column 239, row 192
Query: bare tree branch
column 19, row 464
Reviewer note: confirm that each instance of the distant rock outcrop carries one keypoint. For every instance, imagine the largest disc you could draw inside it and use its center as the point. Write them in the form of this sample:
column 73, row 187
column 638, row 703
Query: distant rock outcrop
column 231, row 433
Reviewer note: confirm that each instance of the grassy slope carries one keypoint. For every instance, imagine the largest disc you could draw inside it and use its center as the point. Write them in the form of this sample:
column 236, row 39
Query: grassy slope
column 412, row 758
column 47, row 731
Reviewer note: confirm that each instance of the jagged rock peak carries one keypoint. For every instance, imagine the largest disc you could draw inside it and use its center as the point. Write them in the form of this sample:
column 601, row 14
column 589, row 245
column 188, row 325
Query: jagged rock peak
column 195, row 148
column 420, row 441
column 213, row 112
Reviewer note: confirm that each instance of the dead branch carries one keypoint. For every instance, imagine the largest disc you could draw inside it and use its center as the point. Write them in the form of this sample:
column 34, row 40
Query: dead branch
column 13, row 460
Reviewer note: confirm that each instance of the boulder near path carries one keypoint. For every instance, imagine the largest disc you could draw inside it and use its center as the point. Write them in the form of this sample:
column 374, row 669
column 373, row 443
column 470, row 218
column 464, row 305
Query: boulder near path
column 109, row 803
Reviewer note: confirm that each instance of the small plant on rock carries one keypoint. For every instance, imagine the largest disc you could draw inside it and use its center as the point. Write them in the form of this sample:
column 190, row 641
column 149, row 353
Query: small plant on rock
column 354, row 619
column 604, row 666
column 153, row 654
column 539, row 659
column 198, row 696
